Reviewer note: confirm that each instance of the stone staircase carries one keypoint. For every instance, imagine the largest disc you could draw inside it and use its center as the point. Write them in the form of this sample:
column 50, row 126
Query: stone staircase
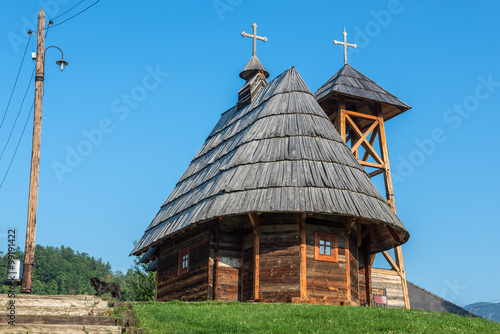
column 66, row 314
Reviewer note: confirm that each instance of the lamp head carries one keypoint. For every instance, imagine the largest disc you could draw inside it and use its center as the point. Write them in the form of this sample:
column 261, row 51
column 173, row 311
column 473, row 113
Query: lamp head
column 62, row 63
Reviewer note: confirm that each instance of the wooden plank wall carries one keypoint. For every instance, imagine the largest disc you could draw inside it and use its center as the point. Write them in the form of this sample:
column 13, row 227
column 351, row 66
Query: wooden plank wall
column 279, row 257
column 382, row 278
column 193, row 285
column 391, row 281
column 326, row 281
column 229, row 256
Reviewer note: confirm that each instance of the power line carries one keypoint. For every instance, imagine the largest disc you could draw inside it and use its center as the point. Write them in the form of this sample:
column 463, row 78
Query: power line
column 15, row 83
column 18, row 113
column 22, row 134
column 58, row 16
column 71, row 17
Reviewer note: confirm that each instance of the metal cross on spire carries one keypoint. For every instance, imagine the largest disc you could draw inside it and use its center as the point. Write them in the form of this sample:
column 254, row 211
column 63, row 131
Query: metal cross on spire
column 345, row 44
column 255, row 38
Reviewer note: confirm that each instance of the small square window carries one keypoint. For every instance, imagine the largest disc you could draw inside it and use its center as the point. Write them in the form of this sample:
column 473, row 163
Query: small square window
column 325, row 247
column 183, row 260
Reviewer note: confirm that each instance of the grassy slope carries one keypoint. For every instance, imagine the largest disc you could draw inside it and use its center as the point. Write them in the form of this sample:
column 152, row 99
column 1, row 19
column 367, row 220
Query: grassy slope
column 204, row 317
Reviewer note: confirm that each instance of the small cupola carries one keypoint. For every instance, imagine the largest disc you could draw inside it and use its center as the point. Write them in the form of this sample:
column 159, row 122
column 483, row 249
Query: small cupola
column 254, row 73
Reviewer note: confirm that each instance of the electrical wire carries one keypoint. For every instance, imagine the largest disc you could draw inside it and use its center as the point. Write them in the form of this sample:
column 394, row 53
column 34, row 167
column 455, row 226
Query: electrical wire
column 15, row 151
column 18, row 113
column 71, row 17
column 58, row 16
column 15, row 82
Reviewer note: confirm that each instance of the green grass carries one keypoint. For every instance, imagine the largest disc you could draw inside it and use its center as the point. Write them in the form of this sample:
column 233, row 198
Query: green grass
column 206, row 317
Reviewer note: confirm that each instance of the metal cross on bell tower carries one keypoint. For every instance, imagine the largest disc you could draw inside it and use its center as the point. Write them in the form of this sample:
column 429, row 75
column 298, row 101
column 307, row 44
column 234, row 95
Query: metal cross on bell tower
column 255, row 38
column 345, row 44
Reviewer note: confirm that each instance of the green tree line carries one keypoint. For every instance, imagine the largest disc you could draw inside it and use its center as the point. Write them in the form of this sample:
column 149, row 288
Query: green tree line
column 62, row 271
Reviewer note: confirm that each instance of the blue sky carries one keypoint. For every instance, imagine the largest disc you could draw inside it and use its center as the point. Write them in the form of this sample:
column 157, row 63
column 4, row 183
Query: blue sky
column 148, row 80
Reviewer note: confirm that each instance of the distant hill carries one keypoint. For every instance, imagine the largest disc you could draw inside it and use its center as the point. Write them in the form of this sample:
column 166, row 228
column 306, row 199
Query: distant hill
column 490, row 311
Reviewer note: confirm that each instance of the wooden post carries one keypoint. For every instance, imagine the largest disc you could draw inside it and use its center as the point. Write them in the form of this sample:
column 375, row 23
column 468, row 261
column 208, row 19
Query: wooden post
column 399, row 261
column 211, row 261
column 242, row 256
column 390, row 198
column 254, row 219
column 347, row 261
column 29, row 254
column 350, row 222
column 303, row 256
column 368, row 272
column 385, row 157
column 341, row 113
column 216, row 264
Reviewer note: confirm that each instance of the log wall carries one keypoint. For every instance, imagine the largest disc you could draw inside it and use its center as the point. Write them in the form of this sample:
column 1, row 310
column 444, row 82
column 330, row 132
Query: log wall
column 326, row 281
column 279, row 257
column 190, row 286
column 228, row 270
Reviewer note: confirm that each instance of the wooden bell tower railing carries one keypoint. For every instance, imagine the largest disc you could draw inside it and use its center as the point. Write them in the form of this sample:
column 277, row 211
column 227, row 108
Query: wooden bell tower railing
column 366, row 137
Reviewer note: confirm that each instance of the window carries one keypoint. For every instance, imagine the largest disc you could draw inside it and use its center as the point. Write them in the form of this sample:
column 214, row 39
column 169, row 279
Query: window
column 325, row 247
column 184, row 260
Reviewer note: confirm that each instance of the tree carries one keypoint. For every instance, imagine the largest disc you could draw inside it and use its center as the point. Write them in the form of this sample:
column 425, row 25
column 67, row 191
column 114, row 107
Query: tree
column 62, row 271
column 143, row 283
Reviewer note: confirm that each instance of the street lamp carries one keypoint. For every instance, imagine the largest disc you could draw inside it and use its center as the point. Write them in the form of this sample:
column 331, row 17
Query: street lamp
column 29, row 254
column 62, row 63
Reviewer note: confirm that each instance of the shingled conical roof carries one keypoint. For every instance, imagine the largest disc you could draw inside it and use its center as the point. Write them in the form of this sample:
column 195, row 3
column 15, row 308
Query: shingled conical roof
column 253, row 66
column 280, row 153
column 348, row 81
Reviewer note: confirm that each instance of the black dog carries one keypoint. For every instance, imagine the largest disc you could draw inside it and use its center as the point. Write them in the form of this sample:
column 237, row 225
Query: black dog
column 103, row 287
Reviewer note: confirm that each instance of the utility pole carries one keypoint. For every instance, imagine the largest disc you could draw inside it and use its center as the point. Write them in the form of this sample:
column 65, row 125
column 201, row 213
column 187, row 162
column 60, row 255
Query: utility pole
column 29, row 254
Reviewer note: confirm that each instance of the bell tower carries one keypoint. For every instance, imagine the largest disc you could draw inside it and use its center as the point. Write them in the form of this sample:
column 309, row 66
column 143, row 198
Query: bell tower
column 359, row 108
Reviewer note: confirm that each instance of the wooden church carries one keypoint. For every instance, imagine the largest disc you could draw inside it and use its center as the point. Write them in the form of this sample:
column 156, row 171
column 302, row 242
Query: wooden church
column 277, row 206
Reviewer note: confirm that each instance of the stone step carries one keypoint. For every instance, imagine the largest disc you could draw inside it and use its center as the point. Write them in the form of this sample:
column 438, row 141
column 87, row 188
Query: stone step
column 61, row 297
column 59, row 320
column 57, row 301
column 59, row 329
column 67, row 314
column 65, row 310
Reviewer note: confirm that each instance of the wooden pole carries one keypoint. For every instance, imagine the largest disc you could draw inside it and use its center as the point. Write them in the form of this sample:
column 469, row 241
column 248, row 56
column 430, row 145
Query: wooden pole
column 348, row 260
column 29, row 254
column 216, row 264
column 242, row 257
column 368, row 273
column 254, row 219
column 303, row 256
column 399, row 261
column 342, row 113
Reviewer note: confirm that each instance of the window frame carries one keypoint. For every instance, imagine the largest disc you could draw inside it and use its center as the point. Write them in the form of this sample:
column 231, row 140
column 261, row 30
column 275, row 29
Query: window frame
column 184, row 251
column 334, row 253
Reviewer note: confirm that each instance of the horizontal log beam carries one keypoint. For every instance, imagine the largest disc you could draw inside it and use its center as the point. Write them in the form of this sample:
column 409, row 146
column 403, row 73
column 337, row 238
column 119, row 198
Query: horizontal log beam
column 371, row 164
column 360, row 115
